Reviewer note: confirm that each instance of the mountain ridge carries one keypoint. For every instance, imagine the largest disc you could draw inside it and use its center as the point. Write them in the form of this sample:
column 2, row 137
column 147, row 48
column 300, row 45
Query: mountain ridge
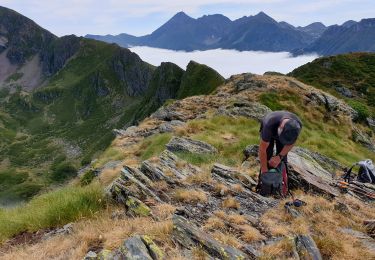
column 215, row 31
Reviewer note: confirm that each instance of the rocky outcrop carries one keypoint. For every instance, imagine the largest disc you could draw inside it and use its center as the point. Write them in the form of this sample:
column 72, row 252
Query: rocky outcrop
column 363, row 138
column 307, row 248
column 249, row 82
column 332, row 104
column 135, row 247
column 132, row 71
column 181, row 144
column 189, row 236
column 244, row 108
column 233, row 176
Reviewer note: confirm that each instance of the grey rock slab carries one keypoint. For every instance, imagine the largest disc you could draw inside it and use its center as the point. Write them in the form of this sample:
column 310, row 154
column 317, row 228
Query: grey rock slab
column 182, row 144
column 305, row 172
column 189, row 236
column 233, row 175
column 170, row 126
column 134, row 249
column 253, row 110
column 367, row 241
column 306, row 248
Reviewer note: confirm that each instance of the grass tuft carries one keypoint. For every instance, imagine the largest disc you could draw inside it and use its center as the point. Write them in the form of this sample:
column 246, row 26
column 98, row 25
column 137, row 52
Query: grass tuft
column 52, row 209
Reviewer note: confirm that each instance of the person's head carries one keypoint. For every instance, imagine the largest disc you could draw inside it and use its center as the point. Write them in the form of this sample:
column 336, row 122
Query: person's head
column 288, row 131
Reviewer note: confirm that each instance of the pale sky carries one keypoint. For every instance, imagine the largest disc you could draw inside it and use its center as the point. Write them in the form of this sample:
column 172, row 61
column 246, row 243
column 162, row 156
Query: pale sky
column 139, row 17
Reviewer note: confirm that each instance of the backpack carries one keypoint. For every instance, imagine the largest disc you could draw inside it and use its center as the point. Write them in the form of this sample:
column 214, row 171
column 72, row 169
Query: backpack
column 366, row 172
column 274, row 182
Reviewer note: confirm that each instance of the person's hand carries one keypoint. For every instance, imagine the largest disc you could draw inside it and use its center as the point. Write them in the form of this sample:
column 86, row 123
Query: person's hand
column 275, row 161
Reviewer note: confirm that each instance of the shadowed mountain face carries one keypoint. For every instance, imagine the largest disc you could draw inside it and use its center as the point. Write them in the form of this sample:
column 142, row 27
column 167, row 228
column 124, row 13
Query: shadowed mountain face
column 259, row 32
column 349, row 37
column 256, row 33
column 60, row 99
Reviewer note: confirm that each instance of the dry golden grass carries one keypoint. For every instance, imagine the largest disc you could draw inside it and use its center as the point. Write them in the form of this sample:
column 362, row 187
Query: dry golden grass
column 163, row 211
column 237, row 219
column 237, row 188
column 250, row 234
column 199, row 178
column 227, row 239
column 221, row 189
column 231, row 203
column 109, row 175
column 319, row 217
column 190, row 196
column 101, row 231
column 160, row 185
column 214, row 223
column 280, row 250
column 220, row 214
column 199, row 253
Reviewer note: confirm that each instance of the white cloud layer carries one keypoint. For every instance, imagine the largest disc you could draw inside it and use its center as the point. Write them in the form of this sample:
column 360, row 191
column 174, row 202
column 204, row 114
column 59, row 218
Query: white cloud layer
column 226, row 62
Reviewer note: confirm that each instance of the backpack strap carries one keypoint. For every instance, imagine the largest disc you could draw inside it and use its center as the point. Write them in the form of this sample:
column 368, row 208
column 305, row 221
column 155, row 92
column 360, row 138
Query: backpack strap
column 347, row 176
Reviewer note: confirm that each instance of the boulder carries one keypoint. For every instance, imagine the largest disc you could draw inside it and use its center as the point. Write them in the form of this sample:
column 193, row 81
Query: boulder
column 366, row 241
column 371, row 123
column 344, row 91
column 189, row 236
column 181, row 144
column 253, row 110
column 305, row 172
column 168, row 113
column 155, row 252
column 170, row 126
column 134, row 248
column 331, row 103
column 251, row 151
column 307, row 248
column 136, row 208
column 249, row 82
column 363, row 138
column 233, row 175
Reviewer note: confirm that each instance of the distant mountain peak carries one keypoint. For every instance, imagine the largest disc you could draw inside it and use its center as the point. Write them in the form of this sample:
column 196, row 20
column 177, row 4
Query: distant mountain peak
column 263, row 16
column 181, row 15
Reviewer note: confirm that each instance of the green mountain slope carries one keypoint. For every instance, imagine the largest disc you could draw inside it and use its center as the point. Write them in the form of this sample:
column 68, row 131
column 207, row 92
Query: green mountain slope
column 351, row 76
column 86, row 89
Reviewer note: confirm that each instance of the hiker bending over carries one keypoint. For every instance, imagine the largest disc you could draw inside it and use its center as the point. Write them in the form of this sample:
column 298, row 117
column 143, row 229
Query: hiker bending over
column 280, row 129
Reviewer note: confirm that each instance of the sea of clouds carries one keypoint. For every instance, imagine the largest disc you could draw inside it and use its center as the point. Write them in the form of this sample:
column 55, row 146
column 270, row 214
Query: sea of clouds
column 227, row 62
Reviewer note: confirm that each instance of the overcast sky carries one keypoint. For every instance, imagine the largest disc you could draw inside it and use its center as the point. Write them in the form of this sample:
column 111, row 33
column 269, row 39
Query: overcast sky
column 141, row 17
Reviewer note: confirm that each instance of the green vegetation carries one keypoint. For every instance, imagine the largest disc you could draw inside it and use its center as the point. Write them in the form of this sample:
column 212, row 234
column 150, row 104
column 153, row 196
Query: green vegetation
column 362, row 109
column 87, row 178
column 270, row 100
column 74, row 114
column 14, row 77
column 355, row 71
column 199, row 79
column 51, row 209
column 63, row 171
column 154, row 145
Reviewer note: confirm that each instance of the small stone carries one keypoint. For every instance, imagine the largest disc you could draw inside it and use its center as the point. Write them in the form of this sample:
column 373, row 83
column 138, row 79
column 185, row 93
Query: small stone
column 91, row 255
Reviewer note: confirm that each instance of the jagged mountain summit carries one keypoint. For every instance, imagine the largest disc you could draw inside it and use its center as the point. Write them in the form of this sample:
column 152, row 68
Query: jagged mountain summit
column 349, row 37
column 258, row 32
column 60, row 98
